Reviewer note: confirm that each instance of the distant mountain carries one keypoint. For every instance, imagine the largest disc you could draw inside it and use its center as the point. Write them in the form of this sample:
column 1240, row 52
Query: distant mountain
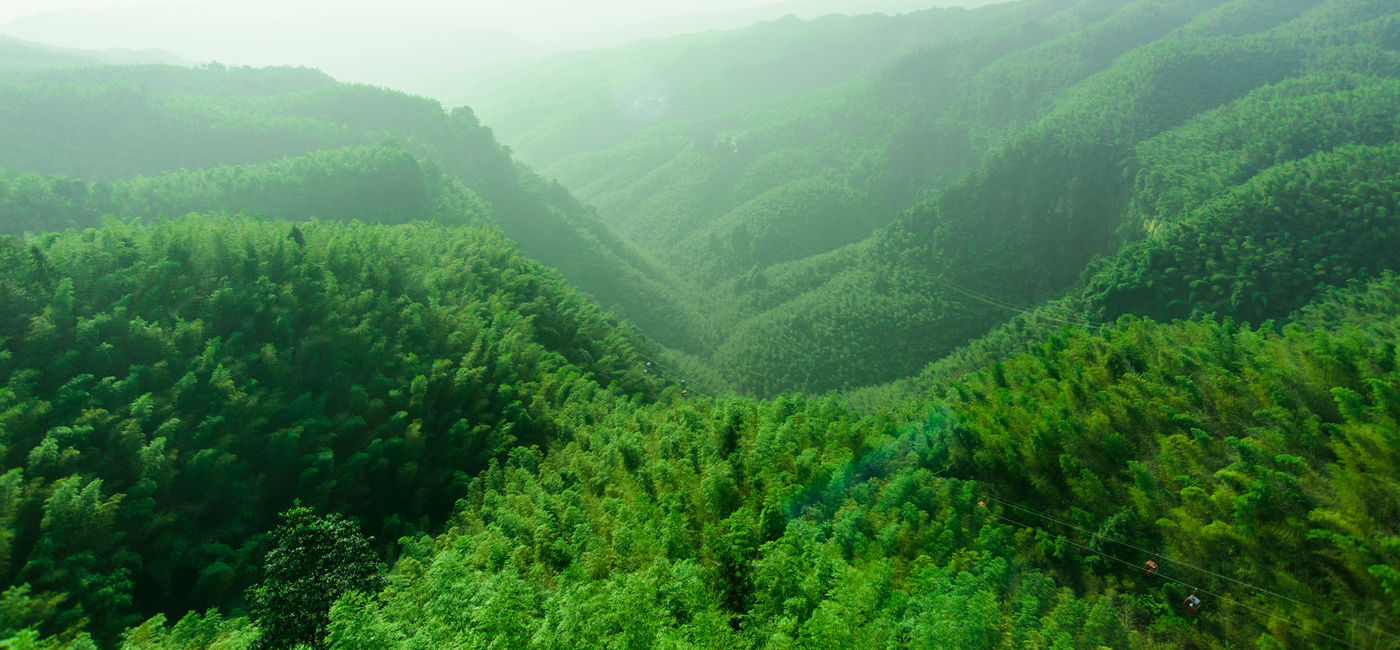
column 809, row 9
column 115, row 122
column 17, row 53
column 569, row 104
column 465, row 451
column 357, row 40
column 852, row 230
column 414, row 45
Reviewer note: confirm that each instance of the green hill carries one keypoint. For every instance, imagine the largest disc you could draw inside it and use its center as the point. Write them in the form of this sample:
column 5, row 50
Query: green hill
column 21, row 54
column 698, row 185
column 1017, row 509
column 116, row 122
column 1113, row 284
column 568, row 104
column 165, row 390
column 379, row 183
column 1153, row 110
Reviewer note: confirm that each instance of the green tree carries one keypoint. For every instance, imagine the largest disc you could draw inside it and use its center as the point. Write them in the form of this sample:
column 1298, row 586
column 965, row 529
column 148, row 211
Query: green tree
column 315, row 561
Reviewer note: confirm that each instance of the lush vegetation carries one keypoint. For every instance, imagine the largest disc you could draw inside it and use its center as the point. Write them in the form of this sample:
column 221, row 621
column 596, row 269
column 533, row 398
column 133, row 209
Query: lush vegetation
column 382, row 184
column 165, row 390
column 804, row 235
column 277, row 366
column 1141, row 153
column 1250, row 460
column 1266, row 458
column 105, row 124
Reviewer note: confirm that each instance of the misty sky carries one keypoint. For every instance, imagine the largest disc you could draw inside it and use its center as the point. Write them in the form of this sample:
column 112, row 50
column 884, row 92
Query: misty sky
column 400, row 43
column 489, row 10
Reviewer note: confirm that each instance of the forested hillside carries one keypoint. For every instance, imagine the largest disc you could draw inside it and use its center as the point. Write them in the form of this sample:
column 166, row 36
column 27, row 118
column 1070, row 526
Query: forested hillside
column 1258, row 468
column 571, row 103
column 283, row 360
column 116, row 122
column 1042, row 149
column 165, row 390
column 850, row 152
column 380, row 183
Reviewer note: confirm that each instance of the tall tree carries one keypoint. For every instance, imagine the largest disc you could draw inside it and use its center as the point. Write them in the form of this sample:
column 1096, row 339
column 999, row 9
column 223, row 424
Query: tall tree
column 316, row 561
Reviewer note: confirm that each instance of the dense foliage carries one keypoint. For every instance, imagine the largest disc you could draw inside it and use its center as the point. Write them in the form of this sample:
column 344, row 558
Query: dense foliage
column 1149, row 245
column 165, row 390
column 1258, row 467
column 1259, row 249
column 313, row 563
column 104, row 124
column 381, row 183
column 1012, row 153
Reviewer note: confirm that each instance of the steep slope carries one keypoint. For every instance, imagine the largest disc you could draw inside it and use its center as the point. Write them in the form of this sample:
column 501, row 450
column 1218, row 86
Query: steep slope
column 989, row 167
column 1253, row 229
column 569, row 104
column 1027, row 225
column 700, row 188
column 167, row 386
column 1241, row 455
column 1021, row 143
column 108, row 123
column 1246, row 211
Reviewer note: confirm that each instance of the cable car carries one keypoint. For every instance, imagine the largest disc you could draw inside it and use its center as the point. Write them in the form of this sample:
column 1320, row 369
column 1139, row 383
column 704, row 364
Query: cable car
column 1192, row 603
column 1149, row 569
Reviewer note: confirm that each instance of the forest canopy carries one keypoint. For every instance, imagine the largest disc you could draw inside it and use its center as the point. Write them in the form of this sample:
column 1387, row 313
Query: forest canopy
column 1049, row 324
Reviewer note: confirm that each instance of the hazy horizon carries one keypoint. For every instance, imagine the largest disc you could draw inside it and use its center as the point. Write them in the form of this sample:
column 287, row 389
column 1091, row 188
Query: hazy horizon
column 403, row 44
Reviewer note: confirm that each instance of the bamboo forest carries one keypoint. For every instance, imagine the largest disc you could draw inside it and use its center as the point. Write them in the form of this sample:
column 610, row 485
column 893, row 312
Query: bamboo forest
column 738, row 324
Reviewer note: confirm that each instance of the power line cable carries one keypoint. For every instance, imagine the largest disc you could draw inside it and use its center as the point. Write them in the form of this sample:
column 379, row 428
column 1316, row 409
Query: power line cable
column 1188, row 565
column 991, row 300
column 985, row 298
column 1192, row 587
column 996, row 302
column 675, row 377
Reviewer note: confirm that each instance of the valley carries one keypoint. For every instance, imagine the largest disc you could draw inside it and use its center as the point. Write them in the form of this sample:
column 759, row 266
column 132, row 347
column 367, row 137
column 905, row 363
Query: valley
column 1015, row 325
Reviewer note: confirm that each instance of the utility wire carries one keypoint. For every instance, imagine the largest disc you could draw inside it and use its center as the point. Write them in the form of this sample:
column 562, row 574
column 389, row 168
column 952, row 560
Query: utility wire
column 666, row 372
column 1191, row 566
column 663, row 370
column 1192, row 587
column 991, row 300
column 982, row 297
column 1002, row 304
column 996, row 302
